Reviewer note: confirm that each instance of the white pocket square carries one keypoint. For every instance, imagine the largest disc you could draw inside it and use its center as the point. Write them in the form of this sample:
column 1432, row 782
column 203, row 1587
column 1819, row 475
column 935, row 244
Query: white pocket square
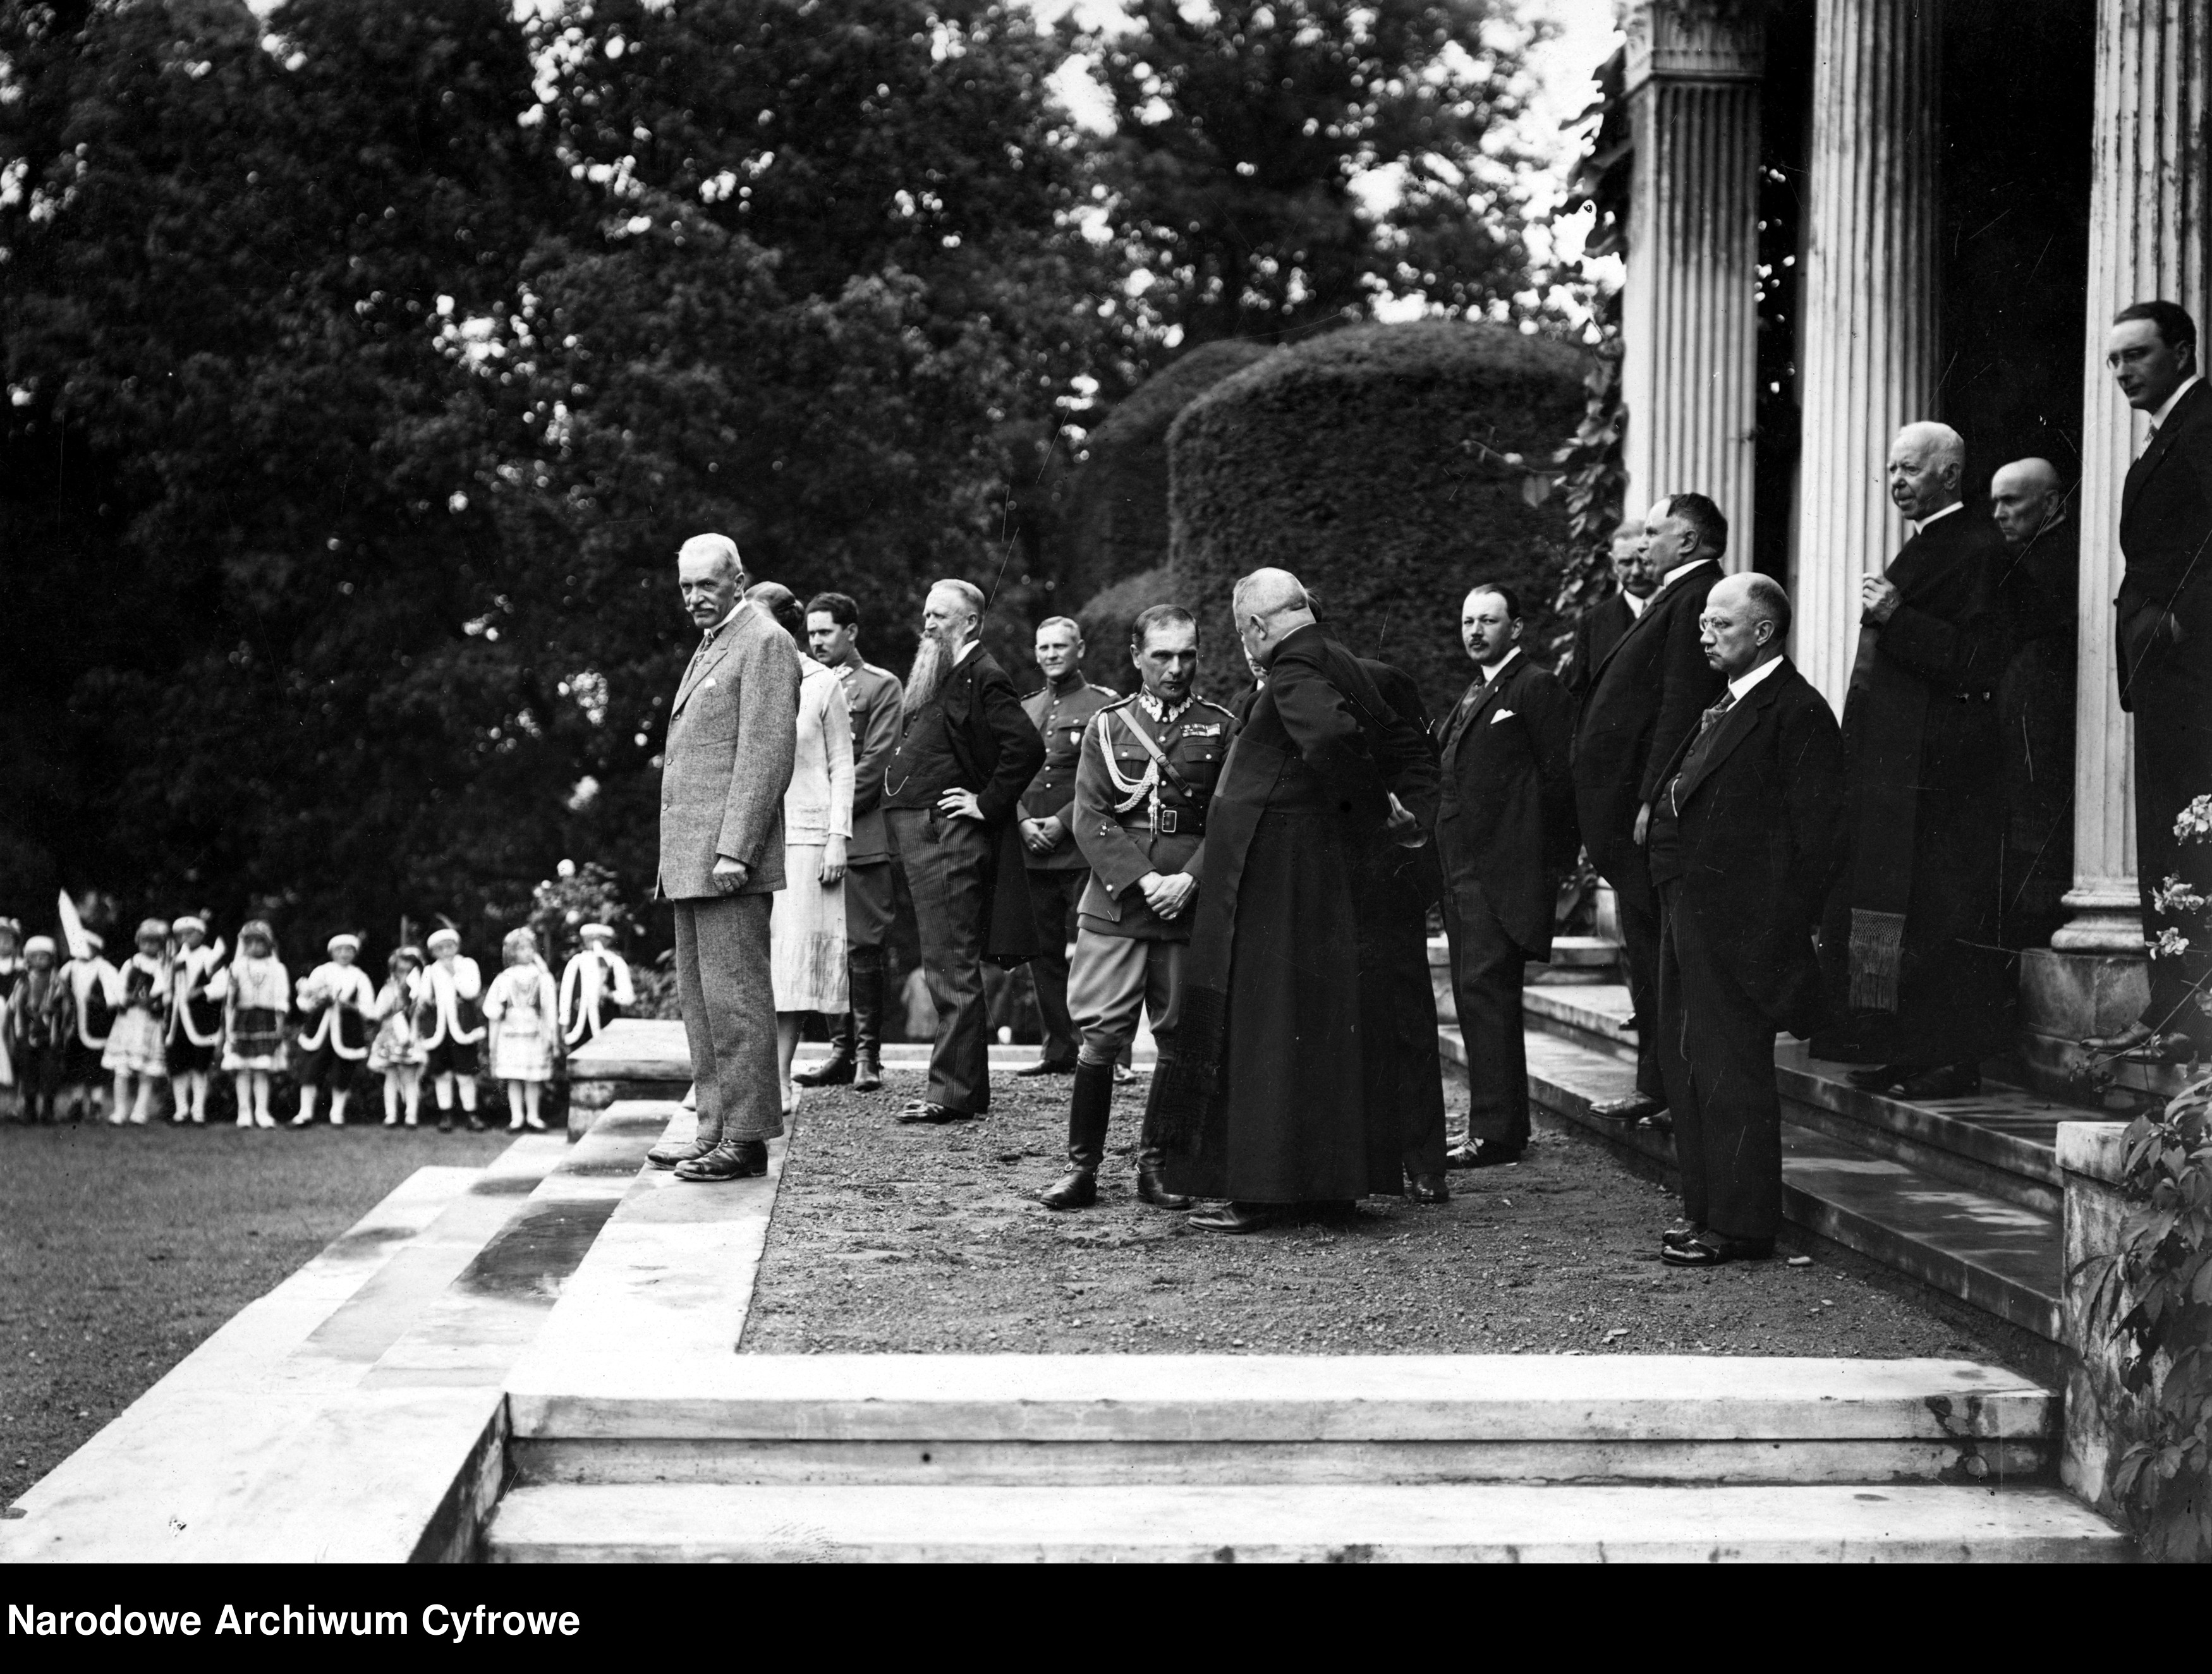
column 709, row 681
column 1501, row 715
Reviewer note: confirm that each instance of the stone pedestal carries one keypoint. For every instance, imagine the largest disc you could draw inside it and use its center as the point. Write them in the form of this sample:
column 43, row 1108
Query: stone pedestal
column 1870, row 307
column 2102, row 1419
column 1689, row 330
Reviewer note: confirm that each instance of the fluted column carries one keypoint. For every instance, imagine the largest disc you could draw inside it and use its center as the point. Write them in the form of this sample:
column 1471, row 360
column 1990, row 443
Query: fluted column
column 2146, row 234
column 1870, row 305
column 1689, row 329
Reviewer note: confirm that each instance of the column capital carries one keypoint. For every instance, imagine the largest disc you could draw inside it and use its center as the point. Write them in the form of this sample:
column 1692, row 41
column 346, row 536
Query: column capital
column 1695, row 40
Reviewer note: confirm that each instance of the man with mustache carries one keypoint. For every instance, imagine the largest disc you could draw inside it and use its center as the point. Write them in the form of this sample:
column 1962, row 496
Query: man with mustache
column 966, row 752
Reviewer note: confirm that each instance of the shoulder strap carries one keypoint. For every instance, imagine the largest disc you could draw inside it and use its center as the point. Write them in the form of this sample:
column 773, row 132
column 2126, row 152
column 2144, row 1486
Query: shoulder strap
column 1159, row 757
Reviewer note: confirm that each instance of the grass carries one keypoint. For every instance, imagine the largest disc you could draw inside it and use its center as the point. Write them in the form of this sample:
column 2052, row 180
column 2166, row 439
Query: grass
column 121, row 1249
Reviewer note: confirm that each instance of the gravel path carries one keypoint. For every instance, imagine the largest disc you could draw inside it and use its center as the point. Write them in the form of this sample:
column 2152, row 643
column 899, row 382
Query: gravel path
column 919, row 1240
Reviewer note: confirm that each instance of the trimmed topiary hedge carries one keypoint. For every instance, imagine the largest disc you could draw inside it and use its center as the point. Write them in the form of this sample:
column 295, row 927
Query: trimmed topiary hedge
column 1106, row 620
column 1117, row 512
column 1377, row 465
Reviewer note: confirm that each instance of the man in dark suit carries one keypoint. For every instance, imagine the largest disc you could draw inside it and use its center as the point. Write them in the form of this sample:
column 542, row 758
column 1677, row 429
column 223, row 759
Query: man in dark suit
column 2165, row 633
column 1746, row 839
column 1505, row 829
column 1603, row 623
column 873, row 699
column 1645, row 699
column 1918, row 977
column 2035, row 698
column 964, row 754
column 1398, row 1000
column 1059, row 710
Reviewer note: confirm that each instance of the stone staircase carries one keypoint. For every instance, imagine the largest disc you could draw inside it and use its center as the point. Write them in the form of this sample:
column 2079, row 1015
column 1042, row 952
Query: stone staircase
column 1962, row 1194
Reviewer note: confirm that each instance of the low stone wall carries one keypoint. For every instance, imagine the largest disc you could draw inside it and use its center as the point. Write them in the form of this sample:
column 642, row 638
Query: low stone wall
column 635, row 1058
column 2102, row 1419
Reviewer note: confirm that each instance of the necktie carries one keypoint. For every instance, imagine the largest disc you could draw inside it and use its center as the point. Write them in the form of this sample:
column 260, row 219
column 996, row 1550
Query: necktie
column 1705, row 728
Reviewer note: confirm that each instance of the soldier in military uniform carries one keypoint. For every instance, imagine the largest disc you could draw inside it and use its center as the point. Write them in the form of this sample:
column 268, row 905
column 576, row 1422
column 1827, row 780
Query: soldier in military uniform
column 1147, row 770
column 1059, row 710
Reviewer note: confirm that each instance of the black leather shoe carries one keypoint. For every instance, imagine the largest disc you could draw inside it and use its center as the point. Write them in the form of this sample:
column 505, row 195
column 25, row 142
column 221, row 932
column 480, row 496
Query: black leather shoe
column 1676, row 1237
column 1885, row 1079
column 1047, row 1066
column 1481, row 1154
column 1076, row 1189
column 868, row 1074
column 445, row 1124
column 477, row 1124
column 1427, row 1189
column 1152, row 1189
column 1633, row 1108
column 1950, row 1081
column 935, row 1114
column 668, row 1156
column 736, row 1159
column 836, row 1070
column 1710, row 1249
column 1236, row 1218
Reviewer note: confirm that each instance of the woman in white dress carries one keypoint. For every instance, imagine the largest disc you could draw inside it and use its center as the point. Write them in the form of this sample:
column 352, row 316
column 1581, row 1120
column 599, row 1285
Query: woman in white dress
column 806, row 924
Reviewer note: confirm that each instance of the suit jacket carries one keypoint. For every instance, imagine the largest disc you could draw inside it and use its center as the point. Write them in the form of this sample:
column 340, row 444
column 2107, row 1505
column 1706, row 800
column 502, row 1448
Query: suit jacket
column 1595, row 635
column 733, row 734
column 872, row 695
column 1507, row 821
column 995, row 750
column 1762, row 840
column 2166, row 533
column 1645, row 699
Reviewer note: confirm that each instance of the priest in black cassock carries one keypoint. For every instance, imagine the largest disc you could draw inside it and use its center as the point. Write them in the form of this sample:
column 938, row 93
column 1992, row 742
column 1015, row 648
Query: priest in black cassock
column 1262, row 1101
column 1915, row 967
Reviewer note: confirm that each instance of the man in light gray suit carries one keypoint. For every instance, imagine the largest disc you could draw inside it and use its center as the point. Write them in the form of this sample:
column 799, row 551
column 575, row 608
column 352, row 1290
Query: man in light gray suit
column 733, row 731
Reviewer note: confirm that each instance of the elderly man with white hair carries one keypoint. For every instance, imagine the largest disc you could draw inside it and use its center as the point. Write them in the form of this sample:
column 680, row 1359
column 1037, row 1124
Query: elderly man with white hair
column 2035, row 700
column 733, row 738
column 1917, row 973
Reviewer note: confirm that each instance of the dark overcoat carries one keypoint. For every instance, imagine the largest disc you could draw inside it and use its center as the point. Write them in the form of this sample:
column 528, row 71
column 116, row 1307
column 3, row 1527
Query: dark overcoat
column 1506, row 825
column 997, row 753
column 1762, row 841
column 1595, row 635
column 1262, row 1100
column 1914, row 962
column 1645, row 699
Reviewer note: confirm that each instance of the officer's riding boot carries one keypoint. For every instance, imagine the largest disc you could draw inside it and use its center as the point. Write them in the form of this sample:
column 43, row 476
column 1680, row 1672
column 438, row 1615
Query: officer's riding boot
column 1088, row 1110
column 836, row 1070
column 865, row 979
column 1152, row 1157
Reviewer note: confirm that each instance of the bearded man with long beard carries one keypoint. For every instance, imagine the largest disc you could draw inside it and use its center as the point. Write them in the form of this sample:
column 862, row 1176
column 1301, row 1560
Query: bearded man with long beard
column 966, row 752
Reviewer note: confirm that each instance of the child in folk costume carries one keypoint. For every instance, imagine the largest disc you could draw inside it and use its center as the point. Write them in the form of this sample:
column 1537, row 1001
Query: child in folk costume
column 396, row 1054
column 35, row 1024
column 195, row 1019
column 449, row 1022
column 256, row 1000
column 595, row 987
column 522, row 1010
column 11, row 973
column 135, row 1053
column 336, row 998
column 94, row 990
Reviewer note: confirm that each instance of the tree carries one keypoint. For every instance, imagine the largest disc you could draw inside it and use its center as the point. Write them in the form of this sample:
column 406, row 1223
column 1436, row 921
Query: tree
column 1247, row 131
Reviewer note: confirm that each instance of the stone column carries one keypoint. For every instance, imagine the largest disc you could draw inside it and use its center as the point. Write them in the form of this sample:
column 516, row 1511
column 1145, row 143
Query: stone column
column 1870, row 303
column 2146, row 225
column 1689, row 332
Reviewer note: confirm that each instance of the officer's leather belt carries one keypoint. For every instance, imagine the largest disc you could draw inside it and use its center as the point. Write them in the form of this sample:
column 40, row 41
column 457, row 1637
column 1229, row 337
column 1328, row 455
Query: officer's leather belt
column 1174, row 822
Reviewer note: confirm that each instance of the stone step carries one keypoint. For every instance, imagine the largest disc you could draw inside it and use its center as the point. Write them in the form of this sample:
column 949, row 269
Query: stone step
column 1242, row 1419
column 1996, row 1254
column 2001, row 1142
column 1335, row 1523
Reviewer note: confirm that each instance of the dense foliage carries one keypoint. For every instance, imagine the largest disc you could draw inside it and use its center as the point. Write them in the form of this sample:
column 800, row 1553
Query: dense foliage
column 366, row 360
column 1389, row 467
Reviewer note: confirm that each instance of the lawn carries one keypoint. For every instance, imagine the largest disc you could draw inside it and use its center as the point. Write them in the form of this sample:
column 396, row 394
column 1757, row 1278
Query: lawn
column 920, row 1239
column 122, row 1248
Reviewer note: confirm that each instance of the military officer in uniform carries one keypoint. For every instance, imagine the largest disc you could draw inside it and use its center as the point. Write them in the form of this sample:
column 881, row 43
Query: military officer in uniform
column 1147, row 770
column 1059, row 710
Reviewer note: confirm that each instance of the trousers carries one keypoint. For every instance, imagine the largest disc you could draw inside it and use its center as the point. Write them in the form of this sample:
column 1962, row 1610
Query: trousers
column 948, row 871
column 1486, row 971
column 1112, row 977
column 1053, row 896
column 1716, row 1052
column 729, row 1014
